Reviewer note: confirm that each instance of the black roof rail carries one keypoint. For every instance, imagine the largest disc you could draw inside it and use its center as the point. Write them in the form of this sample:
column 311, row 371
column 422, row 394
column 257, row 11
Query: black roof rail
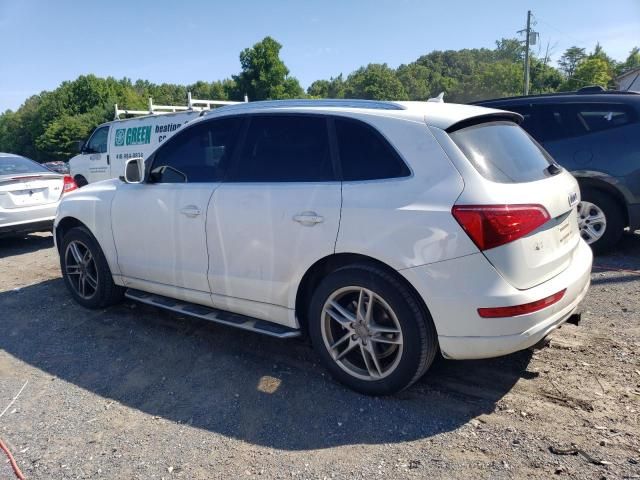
column 560, row 94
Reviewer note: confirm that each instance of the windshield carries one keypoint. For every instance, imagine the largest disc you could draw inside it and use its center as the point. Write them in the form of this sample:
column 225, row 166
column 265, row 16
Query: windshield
column 15, row 165
column 503, row 152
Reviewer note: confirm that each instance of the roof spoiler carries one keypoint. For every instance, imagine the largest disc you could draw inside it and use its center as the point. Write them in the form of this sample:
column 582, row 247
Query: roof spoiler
column 487, row 117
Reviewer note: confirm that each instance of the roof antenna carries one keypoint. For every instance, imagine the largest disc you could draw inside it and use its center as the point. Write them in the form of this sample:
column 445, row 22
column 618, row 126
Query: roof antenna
column 438, row 99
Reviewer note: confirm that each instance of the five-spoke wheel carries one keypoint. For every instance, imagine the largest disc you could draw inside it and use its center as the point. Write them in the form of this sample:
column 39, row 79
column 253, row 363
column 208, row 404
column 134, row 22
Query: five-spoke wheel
column 81, row 268
column 371, row 330
column 362, row 333
column 85, row 270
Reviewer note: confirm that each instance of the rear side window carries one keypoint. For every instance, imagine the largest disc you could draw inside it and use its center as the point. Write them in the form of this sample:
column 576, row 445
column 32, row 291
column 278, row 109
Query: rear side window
column 503, row 152
column 285, row 148
column 597, row 117
column 365, row 154
column 201, row 153
column 546, row 123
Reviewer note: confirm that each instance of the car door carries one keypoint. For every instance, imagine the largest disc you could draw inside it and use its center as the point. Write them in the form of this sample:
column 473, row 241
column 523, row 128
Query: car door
column 159, row 225
column 95, row 155
column 276, row 214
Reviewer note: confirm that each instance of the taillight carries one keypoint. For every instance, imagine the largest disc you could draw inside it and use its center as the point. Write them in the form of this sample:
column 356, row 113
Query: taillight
column 490, row 226
column 69, row 184
column 514, row 310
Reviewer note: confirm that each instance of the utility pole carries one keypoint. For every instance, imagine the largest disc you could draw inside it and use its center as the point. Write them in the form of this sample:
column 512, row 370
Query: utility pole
column 531, row 38
column 526, row 54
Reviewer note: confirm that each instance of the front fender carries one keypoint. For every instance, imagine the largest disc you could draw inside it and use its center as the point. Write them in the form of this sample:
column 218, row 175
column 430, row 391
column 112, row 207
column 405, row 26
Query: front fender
column 91, row 206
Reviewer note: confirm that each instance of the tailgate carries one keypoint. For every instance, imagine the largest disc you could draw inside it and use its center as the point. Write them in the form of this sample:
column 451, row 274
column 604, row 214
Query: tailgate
column 506, row 170
column 29, row 191
column 548, row 250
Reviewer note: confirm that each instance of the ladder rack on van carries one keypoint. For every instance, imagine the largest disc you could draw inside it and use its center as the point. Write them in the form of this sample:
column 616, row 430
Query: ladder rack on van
column 192, row 105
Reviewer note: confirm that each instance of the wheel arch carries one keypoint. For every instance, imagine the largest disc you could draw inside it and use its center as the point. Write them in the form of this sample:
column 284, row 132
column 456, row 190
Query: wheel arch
column 66, row 224
column 608, row 189
column 322, row 267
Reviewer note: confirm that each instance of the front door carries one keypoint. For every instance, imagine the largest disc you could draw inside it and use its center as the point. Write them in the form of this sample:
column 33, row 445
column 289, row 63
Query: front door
column 159, row 225
column 276, row 214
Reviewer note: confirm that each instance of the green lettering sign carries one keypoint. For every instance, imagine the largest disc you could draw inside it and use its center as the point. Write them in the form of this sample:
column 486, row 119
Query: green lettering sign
column 133, row 136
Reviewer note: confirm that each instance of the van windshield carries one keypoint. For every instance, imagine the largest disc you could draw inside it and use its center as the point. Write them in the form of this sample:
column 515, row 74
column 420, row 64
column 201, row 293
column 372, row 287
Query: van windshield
column 503, row 152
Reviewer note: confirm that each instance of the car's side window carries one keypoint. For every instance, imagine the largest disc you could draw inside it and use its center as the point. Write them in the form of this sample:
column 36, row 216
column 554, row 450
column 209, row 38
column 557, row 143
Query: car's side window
column 599, row 116
column 365, row 154
column 200, row 153
column 98, row 141
column 285, row 148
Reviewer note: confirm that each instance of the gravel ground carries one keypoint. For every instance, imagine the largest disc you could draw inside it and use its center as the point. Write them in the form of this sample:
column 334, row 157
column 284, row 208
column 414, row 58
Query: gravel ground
column 134, row 392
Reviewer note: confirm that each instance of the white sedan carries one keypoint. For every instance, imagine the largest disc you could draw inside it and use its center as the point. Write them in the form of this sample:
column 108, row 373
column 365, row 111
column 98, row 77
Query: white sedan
column 29, row 194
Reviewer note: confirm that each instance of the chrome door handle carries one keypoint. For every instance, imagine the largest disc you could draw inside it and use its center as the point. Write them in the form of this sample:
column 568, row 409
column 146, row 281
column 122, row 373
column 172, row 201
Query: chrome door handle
column 308, row 218
column 190, row 211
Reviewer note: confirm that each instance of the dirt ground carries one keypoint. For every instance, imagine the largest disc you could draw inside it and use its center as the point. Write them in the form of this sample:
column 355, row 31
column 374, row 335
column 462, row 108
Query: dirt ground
column 134, row 392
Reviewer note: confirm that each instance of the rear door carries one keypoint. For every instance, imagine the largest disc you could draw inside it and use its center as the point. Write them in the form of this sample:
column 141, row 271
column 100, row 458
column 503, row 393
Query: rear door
column 512, row 169
column 276, row 214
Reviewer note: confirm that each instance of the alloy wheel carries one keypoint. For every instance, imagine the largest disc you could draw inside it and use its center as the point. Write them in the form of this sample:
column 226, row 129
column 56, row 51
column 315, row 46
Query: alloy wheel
column 362, row 333
column 81, row 269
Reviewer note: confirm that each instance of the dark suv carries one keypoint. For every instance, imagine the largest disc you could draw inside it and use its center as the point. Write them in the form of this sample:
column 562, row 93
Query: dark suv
column 596, row 135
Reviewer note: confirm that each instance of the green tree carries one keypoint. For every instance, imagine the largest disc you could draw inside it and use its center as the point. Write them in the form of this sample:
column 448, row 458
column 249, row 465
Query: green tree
column 632, row 61
column 570, row 60
column 332, row 88
column 264, row 75
column 416, row 81
column 592, row 71
column 509, row 50
column 375, row 82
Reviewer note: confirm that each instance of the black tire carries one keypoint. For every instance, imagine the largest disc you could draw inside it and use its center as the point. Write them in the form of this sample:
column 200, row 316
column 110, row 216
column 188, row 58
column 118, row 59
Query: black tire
column 419, row 336
column 80, row 181
column 106, row 293
column 614, row 217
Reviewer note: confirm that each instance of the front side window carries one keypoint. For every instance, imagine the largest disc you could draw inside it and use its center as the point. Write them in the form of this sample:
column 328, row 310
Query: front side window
column 98, row 141
column 365, row 154
column 285, row 148
column 201, row 153
column 503, row 152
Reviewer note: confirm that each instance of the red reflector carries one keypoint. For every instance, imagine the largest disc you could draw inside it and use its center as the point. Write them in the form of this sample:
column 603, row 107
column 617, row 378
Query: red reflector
column 490, row 226
column 515, row 310
column 69, row 184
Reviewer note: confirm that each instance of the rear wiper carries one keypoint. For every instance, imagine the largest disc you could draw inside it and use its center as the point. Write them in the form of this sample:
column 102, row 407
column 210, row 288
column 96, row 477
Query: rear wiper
column 553, row 169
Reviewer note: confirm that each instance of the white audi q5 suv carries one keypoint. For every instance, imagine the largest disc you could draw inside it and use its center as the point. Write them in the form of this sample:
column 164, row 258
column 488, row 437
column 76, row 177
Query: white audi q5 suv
column 386, row 231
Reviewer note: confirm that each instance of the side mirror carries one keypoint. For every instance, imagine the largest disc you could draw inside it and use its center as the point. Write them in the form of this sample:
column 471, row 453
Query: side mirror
column 134, row 170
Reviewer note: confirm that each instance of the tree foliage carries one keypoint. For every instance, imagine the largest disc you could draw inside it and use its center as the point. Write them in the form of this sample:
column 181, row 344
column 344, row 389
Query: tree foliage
column 46, row 125
column 264, row 75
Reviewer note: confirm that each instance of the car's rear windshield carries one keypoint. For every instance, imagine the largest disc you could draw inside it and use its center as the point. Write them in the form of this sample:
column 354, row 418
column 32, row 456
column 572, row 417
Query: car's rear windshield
column 503, row 152
column 15, row 165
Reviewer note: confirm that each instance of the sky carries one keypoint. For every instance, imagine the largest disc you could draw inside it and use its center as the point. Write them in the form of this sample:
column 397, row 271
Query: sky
column 46, row 42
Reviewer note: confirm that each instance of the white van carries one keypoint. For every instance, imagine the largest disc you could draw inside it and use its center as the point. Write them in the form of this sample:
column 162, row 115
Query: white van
column 111, row 144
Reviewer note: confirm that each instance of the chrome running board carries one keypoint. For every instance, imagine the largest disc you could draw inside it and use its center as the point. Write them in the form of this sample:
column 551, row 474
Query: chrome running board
column 212, row 314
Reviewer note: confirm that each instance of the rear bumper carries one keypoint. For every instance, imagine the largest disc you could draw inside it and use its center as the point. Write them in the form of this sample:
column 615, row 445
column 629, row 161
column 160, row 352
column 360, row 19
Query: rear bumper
column 453, row 291
column 27, row 219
